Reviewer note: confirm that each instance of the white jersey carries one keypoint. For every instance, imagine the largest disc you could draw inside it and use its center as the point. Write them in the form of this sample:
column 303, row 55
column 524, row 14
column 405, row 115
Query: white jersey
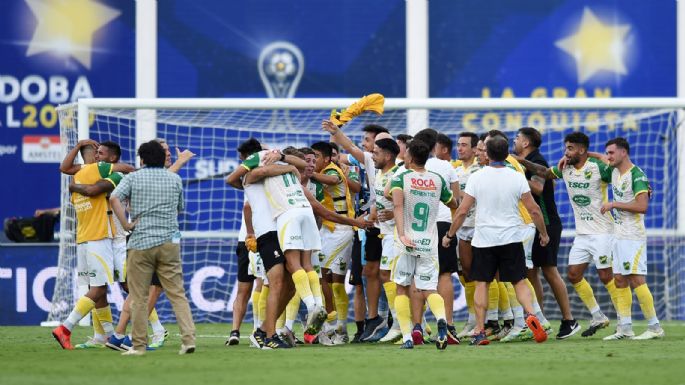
column 262, row 221
column 383, row 203
column 423, row 193
column 463, row 173
column 370, row 173
column 449, row 175
column 587, row 190
column 283, row 192
column 626, row 188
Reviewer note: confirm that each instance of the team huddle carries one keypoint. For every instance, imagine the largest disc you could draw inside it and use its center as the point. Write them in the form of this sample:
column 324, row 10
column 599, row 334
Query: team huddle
column 396, row 217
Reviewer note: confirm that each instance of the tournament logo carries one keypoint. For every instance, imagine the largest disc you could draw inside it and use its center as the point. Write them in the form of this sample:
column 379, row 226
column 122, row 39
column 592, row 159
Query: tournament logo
column 626, row 265
column 603, row 259
column 588, row 174
column 281, row 66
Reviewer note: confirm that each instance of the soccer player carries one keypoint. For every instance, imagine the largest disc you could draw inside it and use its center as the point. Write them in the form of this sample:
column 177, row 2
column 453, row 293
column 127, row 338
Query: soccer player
column 466, row 150
column 586, row 183
column 402, row 141
column 94, row 233
column 497, row 245
column 526, row 144
column 416, row 195
column 631, row 200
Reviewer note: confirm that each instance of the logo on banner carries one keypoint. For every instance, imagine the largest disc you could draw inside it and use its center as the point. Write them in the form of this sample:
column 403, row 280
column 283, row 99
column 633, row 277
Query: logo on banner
column 281, row 66
column 41, row 149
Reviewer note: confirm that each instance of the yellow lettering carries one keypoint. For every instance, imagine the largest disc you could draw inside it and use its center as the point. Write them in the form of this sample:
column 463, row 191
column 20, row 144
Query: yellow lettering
column 539, row 92
column 630, row 123
column 580, row 93
column 485, row 92
column 48, row 116
column 592, row 122
column 576, row 121
column 602, row 92
column 513, row 120
column 560, row 92
column 490, row 121
column 537, row 120
column 467, row 121
column 611, row 119
column 559, row 121
column 508, row 93
column 30, row 118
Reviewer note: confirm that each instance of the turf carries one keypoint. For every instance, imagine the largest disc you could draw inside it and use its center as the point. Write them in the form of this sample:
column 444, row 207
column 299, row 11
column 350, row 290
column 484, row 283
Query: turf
column 30, row 355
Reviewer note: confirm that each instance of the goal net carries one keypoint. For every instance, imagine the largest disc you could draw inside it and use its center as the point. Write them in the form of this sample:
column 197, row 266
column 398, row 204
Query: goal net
column 213, row 130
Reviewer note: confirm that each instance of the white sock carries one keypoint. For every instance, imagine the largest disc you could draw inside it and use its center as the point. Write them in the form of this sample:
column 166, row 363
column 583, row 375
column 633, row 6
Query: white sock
column 289, row 323
column 72, row 320
column 492, row 315
column 538, row 312
column 107, row 327
column 157, row 327
column 518, row 316
column 310, row 303
column 472, row 319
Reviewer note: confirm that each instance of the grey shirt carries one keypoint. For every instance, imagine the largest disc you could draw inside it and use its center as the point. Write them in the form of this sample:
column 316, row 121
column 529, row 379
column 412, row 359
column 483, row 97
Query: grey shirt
column 156, row 198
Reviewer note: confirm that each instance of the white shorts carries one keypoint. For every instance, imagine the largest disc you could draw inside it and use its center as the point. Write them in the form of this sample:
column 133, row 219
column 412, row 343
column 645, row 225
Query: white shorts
column 527, row 238
column 94, row 264
column 297, row 230
column 389, row 253
column 423, row 269
column 336, row 247
column 630, row 257
column 592, row 248
column 256, row 267
column 119, row 249
column 465, row 233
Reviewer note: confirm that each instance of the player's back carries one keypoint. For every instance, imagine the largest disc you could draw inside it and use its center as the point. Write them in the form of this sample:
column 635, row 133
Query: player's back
column 92, row 220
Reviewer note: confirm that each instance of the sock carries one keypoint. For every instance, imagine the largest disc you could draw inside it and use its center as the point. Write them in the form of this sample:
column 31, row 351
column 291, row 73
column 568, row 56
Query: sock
column 624, row 299
column 516, row 307
column 390, row 289
column 255, row 308
column 536, row 305
column 504, row 306
column 437, row 305
column 403, row 315
column 83, row 306
column 291, row 311
column 262, row 304
column 586, row 295
column 105, row 317
column 280, row 321
column 360, row 326
column 315, row 286
column 303, row 289
column 97, row 326
column 342, row 303
column 155, row 323
column 383, row 306
column 611, row 288
column 644, row 296
column 469, row 291
column 493, row 301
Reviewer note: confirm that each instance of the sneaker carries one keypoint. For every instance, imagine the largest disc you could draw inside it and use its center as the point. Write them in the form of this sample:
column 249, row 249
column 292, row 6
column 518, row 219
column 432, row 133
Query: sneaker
column 504, row 331
column 274, row 343
column 91, row 344
column 515, row 334
column 310, row 339
column 547, row 327
column 127, row 342
column 441, row 340
column 117, row 343
column 568, row 328
column 452, row 338
column 257, row 338
column 326, row 339
column 158, row 340
column 341, row 338
column 233, row 339
column 407, row 345
column 380, row 333
column 357, row 338
column 652, row 332
column 63, row 336
column 620, row 336
column 393, row 335
column 288, row 337
column 372, row 326
column 538, row 330
column 429, row 331
column 594, row 326
column 492, row 328
column 466, row 331
column 315, row 320
column 479, row 339
column 133, row 352
column 417, row 335
column 186, row 349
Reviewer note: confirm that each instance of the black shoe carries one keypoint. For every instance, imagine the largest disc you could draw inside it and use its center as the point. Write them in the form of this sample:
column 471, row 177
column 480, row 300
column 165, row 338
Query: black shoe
column 492, row 328
column 233, row 339
column 275, row 342
column 568, row 328
column 357, row 338
column 257, row 338
column 594, row 326
column 371, row 327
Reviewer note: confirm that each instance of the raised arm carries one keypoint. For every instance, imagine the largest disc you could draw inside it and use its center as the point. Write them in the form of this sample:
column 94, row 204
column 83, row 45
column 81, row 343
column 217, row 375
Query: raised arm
column 234, row 179
column 182, row 157
column 324, row 213
column 330, row 180
column 537, row 169
column 340, row 138
column 260, row 173
column 123, row 167
column 599, row 156
column 68, row 166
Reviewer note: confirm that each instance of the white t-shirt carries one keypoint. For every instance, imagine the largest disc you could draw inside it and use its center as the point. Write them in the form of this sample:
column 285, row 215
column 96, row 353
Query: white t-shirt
column 449, row 174
column 370, row 172
column 262, row 221
column 497, row 192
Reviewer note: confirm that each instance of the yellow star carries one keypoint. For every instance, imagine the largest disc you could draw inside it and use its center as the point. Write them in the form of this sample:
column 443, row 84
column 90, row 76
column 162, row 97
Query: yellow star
column 596, row 46
column 67, row 27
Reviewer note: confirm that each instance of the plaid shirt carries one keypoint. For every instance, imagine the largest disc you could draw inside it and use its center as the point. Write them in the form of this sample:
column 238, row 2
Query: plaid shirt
column 156, row 198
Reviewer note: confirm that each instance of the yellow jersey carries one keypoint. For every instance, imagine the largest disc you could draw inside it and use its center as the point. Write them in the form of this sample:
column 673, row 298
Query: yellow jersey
column 93, row 215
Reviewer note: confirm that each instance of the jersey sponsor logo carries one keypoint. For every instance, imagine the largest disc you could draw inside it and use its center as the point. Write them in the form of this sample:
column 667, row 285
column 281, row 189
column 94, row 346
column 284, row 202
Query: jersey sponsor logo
column 617, row 192
column 580, row 185
column 581, row 200
column 404, row 273
column 425, row 277
column 423, row 184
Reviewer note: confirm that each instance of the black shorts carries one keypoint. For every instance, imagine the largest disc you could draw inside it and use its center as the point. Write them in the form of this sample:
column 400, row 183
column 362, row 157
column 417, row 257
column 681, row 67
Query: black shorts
column 509, row 260
column 373, row 247
column 243, row 263
column 447, row 257
column 547, row 256
column 356, row 267
column 270, row 250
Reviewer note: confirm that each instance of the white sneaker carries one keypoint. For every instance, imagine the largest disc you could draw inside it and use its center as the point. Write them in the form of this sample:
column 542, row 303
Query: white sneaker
column 158, row 340
column 341, row 338
column 133, row 352
column 467, row 331
column 325, row 339
column 651, row 333
column 186, row 349
column 622, row 333
column 392, row 336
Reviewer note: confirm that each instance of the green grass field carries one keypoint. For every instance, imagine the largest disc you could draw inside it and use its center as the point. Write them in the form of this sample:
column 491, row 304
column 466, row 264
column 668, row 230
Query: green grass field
column 30, row 355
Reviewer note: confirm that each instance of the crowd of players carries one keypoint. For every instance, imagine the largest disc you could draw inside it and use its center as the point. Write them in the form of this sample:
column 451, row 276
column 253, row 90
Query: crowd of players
column 396, row 217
